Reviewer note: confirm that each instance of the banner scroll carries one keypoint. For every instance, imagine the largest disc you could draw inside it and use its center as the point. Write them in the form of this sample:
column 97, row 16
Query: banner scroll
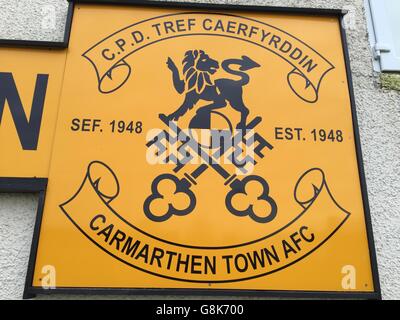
column 91, row 211
column 109, row 56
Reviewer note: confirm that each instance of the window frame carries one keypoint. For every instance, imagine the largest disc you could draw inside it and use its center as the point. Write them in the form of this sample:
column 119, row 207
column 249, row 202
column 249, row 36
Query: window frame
column 381, row 36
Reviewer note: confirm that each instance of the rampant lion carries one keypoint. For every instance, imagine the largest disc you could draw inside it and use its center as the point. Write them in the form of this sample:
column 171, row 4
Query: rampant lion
column 198, row 84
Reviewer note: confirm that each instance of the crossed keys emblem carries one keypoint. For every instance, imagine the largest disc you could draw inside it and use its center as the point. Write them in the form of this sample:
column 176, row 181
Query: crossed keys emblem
column 174, row 196
column 171, row 195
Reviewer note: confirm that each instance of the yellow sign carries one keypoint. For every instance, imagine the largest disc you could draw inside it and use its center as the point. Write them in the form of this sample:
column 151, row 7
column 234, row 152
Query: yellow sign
column 201, row 149
column 30, row 86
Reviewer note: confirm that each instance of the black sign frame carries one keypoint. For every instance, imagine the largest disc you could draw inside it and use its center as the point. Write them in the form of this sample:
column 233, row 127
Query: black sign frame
column 39, row 185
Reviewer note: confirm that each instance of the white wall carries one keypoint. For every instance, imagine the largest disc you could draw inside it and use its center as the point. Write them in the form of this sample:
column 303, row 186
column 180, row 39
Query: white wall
column 379, row 120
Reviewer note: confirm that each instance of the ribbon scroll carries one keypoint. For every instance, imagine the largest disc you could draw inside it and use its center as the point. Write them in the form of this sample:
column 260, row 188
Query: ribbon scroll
column 91, row 210
column 307, row 67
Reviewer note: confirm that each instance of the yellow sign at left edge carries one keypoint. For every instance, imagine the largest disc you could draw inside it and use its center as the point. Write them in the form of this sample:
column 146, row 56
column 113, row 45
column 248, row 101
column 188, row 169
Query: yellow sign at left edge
column 30, row 85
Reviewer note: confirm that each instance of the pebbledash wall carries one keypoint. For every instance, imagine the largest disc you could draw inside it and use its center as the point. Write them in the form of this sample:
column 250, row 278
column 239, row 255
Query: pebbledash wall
column 378, row 115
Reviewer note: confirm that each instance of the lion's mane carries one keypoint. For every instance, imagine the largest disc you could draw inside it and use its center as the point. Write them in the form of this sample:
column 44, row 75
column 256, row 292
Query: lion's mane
column 195, row 79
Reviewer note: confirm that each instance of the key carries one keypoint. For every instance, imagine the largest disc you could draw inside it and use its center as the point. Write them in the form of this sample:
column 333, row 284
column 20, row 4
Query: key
column 237, row 186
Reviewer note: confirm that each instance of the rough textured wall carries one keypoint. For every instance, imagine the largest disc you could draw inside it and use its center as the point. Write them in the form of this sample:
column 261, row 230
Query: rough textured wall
column 378, row 114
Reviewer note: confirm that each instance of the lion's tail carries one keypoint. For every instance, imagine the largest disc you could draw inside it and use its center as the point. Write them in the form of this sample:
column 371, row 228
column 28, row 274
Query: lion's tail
column 245, row 64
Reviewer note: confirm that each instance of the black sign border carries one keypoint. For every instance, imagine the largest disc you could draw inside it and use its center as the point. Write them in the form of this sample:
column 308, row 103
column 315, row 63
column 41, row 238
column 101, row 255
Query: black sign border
column 39, row 184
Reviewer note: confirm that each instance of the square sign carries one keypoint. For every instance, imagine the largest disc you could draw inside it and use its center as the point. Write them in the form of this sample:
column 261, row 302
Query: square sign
column 205, row 149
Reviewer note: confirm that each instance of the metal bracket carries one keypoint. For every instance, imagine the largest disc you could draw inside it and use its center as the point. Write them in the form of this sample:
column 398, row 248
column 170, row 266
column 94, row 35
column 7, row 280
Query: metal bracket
column 379, row 48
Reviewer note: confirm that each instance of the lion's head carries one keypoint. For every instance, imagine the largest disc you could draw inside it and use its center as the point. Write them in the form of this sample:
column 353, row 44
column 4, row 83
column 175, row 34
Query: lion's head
column 197, row 68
